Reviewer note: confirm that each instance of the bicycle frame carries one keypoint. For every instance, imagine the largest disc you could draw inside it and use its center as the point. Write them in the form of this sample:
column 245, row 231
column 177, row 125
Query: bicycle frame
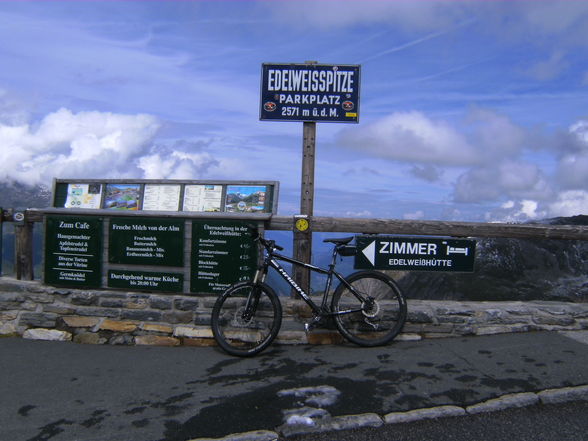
column 271, row 259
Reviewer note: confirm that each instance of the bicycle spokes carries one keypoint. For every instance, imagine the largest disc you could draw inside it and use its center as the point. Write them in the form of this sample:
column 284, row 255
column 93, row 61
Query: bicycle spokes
column 246, row 318
column 377, row 317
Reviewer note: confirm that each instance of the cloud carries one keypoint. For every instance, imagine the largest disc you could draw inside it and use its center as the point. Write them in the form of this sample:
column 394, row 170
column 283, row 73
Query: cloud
column 550, row 17
column 411, row 137
column 569, row 203
column 506, row 19
column 421, row 15
column 428, row 172
column 563, row 204
column 176, row 165
column 564, row 193
column 97, row 144
column 419, row 214
column 495, row 136
column 572, row 171
column 364, row 213
column 550, row 68
column 579, row 131
column 414, row 42
column 12, row 111
column 65, row 144
column 510, row 179
column 484, row 136
column 489, row 159
column 107, row 57
column 517, row 211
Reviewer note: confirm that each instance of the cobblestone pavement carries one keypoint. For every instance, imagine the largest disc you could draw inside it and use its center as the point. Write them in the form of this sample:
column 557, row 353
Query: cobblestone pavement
column 62, row 391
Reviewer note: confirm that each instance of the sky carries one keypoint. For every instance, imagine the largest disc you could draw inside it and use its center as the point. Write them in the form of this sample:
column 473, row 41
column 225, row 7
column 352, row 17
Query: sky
column 470, row 110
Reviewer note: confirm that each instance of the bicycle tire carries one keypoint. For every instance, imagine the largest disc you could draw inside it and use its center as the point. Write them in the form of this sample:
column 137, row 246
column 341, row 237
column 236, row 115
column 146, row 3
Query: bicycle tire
column 246, row 336
column 369, row 325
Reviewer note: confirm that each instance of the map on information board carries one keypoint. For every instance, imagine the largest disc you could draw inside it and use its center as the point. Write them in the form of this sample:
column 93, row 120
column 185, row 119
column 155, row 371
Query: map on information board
column 83, row 196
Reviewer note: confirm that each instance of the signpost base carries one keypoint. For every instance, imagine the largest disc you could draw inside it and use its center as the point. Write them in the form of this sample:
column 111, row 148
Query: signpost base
column 303, row 236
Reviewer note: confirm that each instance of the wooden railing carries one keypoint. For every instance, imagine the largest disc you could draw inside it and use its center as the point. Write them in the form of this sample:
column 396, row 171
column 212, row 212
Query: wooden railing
column 24, row 229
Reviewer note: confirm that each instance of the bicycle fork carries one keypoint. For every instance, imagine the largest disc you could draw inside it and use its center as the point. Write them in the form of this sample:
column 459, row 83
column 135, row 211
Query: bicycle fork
column 253, row 297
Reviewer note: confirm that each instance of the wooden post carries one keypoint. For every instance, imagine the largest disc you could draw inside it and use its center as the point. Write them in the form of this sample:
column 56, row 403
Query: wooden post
column 303, row 239
column 23, row 261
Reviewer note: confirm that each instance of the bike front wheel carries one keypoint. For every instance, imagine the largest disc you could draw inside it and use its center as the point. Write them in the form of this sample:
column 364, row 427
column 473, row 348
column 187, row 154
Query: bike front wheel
column 246, row 318
column 373, row 312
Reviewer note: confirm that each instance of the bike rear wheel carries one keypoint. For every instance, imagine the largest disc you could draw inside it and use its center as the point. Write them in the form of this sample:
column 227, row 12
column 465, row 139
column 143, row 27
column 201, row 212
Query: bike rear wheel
column 246, row 318
column 378, row 318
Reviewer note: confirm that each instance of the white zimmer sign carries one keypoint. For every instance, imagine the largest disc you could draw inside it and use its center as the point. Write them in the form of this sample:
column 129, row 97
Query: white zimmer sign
column 415, row 253
column 310, row 92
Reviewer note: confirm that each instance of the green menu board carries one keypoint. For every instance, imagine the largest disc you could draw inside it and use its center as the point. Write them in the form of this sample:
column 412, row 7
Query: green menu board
column 143, row 280
column 73, row 248
column 222, row 253
column 146, row 241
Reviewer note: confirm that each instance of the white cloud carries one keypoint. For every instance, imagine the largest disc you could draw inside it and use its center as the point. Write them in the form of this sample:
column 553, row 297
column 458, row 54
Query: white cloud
column 483, row 137
column 579, row 130
column 412, row 137
column 495, row 136
column 422, row 14
column 491, row 159
column 508, row 179
column 503, row 19
column 12, row 111
column 364, row 213
column 569, row 203
column 427, row 172
column 176, row 165
column 419, row 214
column 66, row 144
column 572, row 172
column 550, row 68
column 517, row 211
column 552, row 17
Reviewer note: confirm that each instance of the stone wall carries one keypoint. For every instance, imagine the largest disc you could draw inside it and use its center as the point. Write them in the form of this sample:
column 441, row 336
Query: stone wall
column 33, row 310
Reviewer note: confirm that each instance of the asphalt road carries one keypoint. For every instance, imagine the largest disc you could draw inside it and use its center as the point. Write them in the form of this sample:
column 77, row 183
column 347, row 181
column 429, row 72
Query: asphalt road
column 64, row 391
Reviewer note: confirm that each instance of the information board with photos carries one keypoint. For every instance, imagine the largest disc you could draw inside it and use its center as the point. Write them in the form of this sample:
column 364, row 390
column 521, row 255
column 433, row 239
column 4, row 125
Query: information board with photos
column 167, row 195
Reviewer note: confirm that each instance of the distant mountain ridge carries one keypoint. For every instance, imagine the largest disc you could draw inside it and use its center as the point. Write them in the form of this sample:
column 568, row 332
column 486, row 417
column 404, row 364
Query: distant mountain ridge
column 514, row 269
column 17, row 195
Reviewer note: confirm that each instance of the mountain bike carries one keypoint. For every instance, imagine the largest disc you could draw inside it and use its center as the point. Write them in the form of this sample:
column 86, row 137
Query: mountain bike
column 367, row 307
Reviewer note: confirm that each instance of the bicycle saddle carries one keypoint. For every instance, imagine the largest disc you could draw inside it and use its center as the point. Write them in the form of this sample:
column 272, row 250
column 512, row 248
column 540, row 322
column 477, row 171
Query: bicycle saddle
column 340, row 241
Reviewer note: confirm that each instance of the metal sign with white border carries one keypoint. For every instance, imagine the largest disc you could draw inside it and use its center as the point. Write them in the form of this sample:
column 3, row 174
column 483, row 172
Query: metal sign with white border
column 415, row 253
column 310, row 92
